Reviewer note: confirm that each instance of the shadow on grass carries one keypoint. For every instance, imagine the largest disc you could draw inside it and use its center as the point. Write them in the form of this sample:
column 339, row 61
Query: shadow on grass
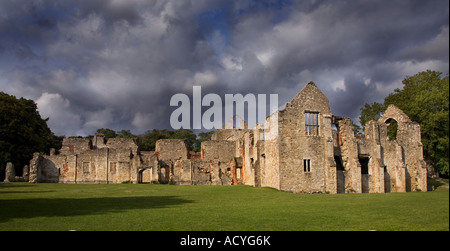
column 30, row 208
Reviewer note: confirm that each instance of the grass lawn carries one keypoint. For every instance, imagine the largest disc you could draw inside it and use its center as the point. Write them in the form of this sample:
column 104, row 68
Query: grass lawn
column 25, row 206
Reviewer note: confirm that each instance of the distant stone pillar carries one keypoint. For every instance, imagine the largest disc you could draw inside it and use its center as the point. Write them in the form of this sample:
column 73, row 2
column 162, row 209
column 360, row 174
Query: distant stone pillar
column 26, row 173
column 10, row 173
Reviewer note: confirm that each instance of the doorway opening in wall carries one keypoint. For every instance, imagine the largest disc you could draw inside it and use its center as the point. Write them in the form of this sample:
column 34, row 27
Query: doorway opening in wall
column 164, row 174
column 340, row 174
column 364, row 161
column 145, row 176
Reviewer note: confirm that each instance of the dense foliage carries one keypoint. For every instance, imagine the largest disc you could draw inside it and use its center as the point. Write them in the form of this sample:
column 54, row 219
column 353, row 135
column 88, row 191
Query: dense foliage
column 22, row 132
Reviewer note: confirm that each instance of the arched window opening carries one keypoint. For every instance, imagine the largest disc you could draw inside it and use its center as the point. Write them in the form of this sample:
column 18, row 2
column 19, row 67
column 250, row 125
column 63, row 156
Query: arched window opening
column 392, row 129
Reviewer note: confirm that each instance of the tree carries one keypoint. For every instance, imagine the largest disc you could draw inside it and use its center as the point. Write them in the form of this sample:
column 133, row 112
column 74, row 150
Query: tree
column 425, row 99
column 374, row 112
column 125, row 134
column 371, row 112
column 202, row 136
column 148, row 140
column 187, row 135
column 109, row 133
column 22, row 132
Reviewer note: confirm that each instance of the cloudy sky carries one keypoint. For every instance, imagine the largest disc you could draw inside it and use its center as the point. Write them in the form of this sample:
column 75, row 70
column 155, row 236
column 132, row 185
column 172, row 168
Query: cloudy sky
column 116, row 64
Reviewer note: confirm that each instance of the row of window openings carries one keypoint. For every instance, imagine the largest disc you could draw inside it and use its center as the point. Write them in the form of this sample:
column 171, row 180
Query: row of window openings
column 87, row 165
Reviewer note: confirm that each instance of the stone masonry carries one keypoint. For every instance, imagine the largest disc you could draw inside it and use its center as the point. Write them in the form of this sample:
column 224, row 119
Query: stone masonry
column 303, row 148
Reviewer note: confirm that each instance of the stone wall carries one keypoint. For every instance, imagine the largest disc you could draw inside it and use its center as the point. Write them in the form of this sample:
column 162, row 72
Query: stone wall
column 171, row 149
column 80, row 161
column 218, row 149
column 349, row 156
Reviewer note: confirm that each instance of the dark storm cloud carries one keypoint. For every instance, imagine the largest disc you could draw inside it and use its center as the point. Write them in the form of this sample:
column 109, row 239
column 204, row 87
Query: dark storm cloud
column 116, row 64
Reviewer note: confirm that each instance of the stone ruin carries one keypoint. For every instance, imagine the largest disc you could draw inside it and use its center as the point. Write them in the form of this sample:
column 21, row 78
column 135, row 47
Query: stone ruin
column 303, row 148
column 10, row 174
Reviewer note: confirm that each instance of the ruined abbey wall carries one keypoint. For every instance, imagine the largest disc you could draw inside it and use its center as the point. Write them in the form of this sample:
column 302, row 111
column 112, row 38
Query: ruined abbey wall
column 303, row 148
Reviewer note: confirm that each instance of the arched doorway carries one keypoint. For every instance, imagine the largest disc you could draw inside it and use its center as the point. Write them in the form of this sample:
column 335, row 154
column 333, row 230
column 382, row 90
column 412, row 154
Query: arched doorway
column 164, row 174
column 145, row 175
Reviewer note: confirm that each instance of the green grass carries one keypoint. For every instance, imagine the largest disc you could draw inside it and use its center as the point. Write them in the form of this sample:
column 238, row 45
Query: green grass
column 25, row 206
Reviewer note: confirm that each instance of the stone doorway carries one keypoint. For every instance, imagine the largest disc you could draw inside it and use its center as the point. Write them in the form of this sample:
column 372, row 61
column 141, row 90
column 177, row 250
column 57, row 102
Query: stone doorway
column 164, row 174
column 340, row 174
column 145, row 175
column 364, row 161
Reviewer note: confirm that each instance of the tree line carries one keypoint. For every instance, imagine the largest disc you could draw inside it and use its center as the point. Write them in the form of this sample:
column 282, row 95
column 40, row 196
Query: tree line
column 148, row 140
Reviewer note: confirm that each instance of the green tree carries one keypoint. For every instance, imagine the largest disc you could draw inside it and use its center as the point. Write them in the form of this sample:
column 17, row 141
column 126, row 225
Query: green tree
column 148, row 140
column 374, row 112
column 125, row 134
column 188, row 135
column 425, row 99
column 22, row 132
column 371, row 112
column 109, row 133
column 202, row 136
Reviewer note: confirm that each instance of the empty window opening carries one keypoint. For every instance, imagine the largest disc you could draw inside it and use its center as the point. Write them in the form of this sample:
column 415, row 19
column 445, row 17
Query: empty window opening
column 392, row 129
column 307, row 165
column 339, row 165
column 312, row 123
column 364, row 165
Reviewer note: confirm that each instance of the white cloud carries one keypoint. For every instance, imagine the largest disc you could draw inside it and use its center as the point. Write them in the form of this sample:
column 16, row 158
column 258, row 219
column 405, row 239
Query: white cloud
column 339, row 85
column 266, row 57
column 233, row 64
column 142, row 121
column 62, row 119
column 98, row 119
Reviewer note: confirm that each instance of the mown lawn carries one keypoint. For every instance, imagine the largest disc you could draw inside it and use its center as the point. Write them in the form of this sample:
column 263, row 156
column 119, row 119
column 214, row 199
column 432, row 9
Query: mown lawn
column 25, row 206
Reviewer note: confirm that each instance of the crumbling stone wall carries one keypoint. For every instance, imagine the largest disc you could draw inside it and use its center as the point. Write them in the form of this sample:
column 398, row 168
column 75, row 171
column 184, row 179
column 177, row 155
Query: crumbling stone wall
column 81, row 161
column 349, row 156
column 218, row 149
column 370, row 145
column 404, row 155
